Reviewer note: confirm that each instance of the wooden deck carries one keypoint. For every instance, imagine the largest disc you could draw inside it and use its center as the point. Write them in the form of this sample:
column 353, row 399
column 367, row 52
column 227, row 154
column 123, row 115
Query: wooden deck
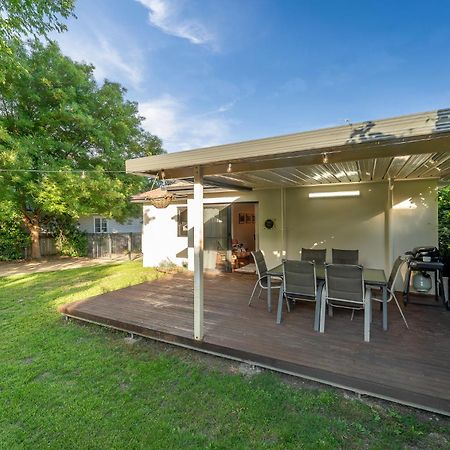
column 411, row 367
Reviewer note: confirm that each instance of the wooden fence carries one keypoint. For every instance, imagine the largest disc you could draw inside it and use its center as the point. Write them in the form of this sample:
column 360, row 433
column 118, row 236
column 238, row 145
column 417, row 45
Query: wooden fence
column 100, row 245
column 48, row 247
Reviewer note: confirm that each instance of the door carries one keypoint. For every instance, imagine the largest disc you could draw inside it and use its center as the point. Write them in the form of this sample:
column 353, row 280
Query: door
column 217, row 238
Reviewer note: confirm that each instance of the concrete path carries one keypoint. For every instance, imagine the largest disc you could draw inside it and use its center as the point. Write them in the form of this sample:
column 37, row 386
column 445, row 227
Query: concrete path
column 51, row 264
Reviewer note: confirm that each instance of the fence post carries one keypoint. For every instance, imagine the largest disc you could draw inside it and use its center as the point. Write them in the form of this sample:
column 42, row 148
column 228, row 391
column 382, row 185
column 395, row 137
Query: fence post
column 129, row 245
column 110, row 245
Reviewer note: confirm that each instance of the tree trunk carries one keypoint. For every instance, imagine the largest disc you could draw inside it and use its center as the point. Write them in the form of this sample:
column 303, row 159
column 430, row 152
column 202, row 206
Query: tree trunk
column 35, row 230
column 32, row 222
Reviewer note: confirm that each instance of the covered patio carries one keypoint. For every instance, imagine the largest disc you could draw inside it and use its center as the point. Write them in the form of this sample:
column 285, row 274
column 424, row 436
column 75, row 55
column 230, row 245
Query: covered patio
column 410, row 367
column 369, row 186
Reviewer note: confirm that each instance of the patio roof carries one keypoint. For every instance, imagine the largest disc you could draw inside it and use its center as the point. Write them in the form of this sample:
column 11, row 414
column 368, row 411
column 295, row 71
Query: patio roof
column 405, row 147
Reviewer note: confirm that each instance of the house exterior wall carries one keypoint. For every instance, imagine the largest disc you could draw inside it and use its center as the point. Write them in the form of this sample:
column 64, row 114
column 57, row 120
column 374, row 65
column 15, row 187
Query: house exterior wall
column 343, row 222
column 160, row 241
column 363, row 222
column 133, row 225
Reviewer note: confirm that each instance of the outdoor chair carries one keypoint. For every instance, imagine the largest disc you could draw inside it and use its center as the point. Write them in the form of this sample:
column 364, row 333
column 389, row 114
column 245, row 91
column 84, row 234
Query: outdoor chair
column 299, row 283
column 261, row 272
column 318, row 256
column 398, row 263
column 344, row 288
column 345, row 256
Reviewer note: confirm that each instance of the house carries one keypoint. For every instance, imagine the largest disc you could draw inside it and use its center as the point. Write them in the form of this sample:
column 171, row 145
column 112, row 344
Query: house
column 99, row 224
column 369, row 186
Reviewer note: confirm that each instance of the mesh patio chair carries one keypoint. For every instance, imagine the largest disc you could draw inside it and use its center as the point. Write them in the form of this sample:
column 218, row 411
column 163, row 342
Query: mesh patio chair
column 318, row 256
column 299, row 283
column 344, row 288
column 398, row 263
column 261, row 272
column 345, row 256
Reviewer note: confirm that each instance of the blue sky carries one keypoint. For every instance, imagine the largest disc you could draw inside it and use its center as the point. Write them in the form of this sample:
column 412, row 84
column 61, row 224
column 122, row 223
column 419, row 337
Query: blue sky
column 207, row 72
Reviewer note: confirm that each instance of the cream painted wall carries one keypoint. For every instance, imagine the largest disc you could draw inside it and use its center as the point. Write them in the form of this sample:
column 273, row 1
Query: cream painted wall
column 160, row 242
column 414, row 215
column 352, row 223
column 344, row 223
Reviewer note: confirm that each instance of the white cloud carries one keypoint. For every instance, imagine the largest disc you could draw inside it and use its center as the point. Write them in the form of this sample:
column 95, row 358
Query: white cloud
column 109, row 60
column 167, row 15
column 179, row 129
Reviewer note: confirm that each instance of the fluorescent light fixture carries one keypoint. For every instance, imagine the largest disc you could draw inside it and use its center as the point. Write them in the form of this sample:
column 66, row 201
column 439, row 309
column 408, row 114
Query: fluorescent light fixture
column 334, row 194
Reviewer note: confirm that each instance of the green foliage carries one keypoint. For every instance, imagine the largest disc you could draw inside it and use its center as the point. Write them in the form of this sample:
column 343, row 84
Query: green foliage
column 444, row 225
column 13, row 235
column 21, row 19
column 70, row 241
column 63, row 385
column 55, row 123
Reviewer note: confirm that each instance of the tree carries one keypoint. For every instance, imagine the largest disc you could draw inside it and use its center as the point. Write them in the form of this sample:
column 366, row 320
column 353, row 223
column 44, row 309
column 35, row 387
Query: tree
column 21, row 19
column 444, row 225
column 64, row 140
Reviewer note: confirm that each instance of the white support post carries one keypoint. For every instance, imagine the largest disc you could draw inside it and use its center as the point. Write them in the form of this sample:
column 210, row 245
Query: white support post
column 198, row 254
column 283, row 224
column 388, row 227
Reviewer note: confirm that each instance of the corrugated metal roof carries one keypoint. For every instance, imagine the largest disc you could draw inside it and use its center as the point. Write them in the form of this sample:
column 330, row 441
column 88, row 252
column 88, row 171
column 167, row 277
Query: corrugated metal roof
column 411, row 146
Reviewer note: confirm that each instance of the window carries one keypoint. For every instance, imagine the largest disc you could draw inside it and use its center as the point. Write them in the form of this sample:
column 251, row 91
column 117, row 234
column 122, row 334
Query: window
column 100, row 225
column 182, row 222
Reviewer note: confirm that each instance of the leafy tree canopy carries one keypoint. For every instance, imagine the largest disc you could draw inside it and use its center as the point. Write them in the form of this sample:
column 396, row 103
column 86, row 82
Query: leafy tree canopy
column 55, row 123
column 22, row 19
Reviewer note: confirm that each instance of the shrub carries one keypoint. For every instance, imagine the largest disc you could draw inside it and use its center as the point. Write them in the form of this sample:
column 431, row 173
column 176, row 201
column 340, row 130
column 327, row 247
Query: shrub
column 70, row 241
column 13, row 238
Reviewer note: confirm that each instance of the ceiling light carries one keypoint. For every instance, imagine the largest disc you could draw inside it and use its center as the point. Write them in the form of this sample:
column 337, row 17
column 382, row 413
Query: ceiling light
column 334, row 194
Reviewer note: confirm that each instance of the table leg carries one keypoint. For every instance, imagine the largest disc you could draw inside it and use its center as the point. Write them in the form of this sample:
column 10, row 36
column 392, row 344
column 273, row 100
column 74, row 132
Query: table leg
column 269, row 293
column 323, row 307
column 318, row 302
column 280, row 305
column 385, row 308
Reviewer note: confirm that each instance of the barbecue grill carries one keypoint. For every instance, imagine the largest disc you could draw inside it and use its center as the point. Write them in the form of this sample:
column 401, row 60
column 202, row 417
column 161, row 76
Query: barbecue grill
column 424, row 260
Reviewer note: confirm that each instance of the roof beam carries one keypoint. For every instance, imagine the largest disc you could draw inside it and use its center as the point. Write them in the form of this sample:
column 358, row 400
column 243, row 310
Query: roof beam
column 226, row 185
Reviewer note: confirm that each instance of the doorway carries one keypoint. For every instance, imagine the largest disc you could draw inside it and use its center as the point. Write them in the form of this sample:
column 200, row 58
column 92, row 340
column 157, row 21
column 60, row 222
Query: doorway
column 244, row 236
column 229, row 236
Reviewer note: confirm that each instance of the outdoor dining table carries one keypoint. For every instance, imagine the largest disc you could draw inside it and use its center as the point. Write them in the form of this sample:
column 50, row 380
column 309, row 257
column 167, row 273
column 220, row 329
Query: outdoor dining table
column 372, row 277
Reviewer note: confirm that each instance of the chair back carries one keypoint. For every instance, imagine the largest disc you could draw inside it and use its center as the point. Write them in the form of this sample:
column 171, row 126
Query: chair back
column 398, row 263
column 345, row 256
column 318, row 256
column 299, row 278
column 344, row 283
column 260, row 262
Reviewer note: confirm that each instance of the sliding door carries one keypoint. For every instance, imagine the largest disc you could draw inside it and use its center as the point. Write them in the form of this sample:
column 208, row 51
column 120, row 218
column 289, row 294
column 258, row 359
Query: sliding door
column 217, row 237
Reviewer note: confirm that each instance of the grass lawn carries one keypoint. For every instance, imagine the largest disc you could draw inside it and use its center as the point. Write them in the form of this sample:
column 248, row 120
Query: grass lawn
column 63, row 385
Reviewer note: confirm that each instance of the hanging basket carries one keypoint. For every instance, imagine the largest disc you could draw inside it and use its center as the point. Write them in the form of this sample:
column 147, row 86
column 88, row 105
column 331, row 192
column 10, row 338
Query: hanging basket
column 159, row 198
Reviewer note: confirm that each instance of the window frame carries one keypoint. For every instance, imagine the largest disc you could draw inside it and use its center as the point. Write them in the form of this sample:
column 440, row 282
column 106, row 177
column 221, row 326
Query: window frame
column 181, row 232
column 103, row 225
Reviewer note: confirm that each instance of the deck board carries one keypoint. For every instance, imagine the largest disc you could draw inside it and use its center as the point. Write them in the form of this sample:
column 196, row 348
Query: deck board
column 408, row 366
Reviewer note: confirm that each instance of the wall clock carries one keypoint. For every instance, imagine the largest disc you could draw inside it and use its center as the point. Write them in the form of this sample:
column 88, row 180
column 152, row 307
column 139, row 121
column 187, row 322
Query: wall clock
column 269, row 224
